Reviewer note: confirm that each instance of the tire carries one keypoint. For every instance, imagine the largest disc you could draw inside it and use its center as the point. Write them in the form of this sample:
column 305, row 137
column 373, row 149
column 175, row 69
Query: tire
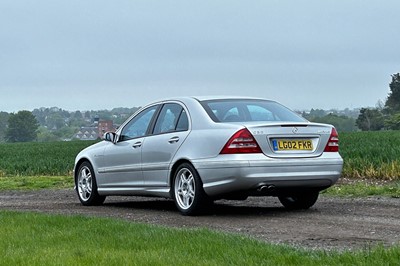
column 86, row 186
column 300, row 201
column 188, row 192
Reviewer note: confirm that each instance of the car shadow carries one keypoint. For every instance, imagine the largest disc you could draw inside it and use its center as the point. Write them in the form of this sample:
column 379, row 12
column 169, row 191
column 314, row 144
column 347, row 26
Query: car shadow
column 219, row 208
column 146, row 204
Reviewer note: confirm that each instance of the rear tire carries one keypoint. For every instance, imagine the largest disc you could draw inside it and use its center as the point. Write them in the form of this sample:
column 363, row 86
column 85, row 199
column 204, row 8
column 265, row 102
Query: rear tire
column 188, row 192
column 86, row 186
column 299, row 201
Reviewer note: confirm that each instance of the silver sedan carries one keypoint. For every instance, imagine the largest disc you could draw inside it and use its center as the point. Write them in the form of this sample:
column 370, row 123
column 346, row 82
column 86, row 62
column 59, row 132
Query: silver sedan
column 199, row 149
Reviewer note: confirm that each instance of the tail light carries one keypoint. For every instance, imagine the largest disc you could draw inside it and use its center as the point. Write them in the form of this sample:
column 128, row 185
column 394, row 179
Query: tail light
column 241, row 142
column 333, row 142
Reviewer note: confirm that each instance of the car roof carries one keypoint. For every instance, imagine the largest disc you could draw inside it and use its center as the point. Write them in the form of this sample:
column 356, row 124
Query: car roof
column 210, row 97
column 224, row 97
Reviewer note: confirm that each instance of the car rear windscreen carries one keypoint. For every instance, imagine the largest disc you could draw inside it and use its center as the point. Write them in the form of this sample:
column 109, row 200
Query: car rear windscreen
column 244, row 110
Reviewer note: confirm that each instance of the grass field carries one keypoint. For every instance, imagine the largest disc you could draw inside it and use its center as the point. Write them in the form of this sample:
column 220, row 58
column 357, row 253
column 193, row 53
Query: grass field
column 39, row 158
column 371, row 154
column 39, row 239
column 366, row 155
column 35, row 182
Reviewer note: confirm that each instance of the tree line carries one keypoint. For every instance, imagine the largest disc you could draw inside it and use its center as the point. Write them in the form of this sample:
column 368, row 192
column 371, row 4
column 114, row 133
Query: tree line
column 384, row 115
column 53, row 124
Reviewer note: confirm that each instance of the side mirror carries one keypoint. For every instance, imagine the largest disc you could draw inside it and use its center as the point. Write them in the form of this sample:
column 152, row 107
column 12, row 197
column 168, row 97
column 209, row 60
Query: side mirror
column 110, row 136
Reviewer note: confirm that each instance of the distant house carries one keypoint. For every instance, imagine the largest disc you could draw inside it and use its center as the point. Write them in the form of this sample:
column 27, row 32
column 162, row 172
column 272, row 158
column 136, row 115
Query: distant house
column 105, row 126
column 96, row 131
column 87, row 133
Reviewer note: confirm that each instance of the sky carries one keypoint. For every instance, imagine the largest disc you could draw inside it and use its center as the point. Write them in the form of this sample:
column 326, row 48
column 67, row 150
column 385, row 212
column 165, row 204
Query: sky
column 97, row 54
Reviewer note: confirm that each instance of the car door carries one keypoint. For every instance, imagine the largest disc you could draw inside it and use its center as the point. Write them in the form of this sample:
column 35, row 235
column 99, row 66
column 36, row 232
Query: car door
column 170, row 131
column 122, row 160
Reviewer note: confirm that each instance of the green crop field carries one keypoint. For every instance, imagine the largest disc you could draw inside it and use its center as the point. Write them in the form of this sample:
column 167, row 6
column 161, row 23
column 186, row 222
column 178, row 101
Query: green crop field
column 366, row 155
column 39, row 158
column 371, row 154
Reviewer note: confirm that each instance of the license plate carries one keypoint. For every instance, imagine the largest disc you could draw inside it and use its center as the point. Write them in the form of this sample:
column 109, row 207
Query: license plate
column 292, row 144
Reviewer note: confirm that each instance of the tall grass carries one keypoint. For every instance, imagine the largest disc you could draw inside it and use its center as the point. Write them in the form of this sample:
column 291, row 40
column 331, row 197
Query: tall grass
column 365, row 154
column 39, row 158
column 371, row 154
column 38, row 239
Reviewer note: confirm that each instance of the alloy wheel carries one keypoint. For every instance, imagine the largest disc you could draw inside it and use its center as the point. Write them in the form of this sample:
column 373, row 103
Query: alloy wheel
column 185, row 188
column 84, row 183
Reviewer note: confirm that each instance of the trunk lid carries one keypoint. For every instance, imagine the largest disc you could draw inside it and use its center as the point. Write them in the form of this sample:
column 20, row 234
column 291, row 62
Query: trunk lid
column 291, row 140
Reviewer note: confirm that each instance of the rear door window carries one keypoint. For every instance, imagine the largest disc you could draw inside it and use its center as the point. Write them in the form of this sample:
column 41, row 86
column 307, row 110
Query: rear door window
column 171, row 118
column 183, row 122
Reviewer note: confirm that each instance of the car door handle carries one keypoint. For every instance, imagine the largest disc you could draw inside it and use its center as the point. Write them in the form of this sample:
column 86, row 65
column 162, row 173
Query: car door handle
column 173, row 140
column 137, row 144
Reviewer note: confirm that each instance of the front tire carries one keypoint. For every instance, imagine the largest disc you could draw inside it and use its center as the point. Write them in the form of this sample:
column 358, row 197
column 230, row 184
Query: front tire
column 300, row 201
column 86, row 186
column 188, row 193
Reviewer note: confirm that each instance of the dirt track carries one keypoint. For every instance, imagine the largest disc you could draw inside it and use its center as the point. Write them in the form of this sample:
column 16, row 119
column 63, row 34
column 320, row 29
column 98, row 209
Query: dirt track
column 333, row 223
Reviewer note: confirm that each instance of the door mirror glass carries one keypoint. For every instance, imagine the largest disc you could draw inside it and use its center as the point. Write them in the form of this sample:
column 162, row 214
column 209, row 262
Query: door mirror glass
column 110, row 136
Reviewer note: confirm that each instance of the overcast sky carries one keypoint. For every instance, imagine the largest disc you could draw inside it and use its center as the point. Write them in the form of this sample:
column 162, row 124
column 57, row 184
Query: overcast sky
column 97, row 54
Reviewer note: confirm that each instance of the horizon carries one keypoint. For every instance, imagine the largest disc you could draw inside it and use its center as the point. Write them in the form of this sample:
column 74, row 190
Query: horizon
column 110, row 109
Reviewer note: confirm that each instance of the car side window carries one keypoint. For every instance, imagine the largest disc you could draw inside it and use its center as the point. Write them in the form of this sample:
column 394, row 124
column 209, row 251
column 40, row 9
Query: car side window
column 183, row 122
column 169, row 119
column 138, row 126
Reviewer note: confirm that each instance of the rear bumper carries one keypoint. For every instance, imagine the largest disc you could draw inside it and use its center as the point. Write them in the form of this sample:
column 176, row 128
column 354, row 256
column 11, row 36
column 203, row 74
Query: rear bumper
column 227, row 174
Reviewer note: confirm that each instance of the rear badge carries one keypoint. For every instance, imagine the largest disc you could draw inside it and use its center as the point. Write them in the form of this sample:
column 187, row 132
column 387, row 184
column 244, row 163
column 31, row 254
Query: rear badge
column 294, row 130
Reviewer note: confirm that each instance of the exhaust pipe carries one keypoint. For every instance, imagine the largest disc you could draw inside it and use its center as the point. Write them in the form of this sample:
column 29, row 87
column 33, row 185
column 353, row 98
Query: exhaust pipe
column 266, row 188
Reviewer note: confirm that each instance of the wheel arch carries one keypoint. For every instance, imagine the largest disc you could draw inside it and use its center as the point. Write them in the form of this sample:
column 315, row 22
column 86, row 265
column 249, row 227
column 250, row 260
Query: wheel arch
column 188, row 203
column 173, row 170
column 78, row 164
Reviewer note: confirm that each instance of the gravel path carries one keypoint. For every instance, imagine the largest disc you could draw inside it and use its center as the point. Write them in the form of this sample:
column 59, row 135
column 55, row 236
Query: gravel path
column 333, row 223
